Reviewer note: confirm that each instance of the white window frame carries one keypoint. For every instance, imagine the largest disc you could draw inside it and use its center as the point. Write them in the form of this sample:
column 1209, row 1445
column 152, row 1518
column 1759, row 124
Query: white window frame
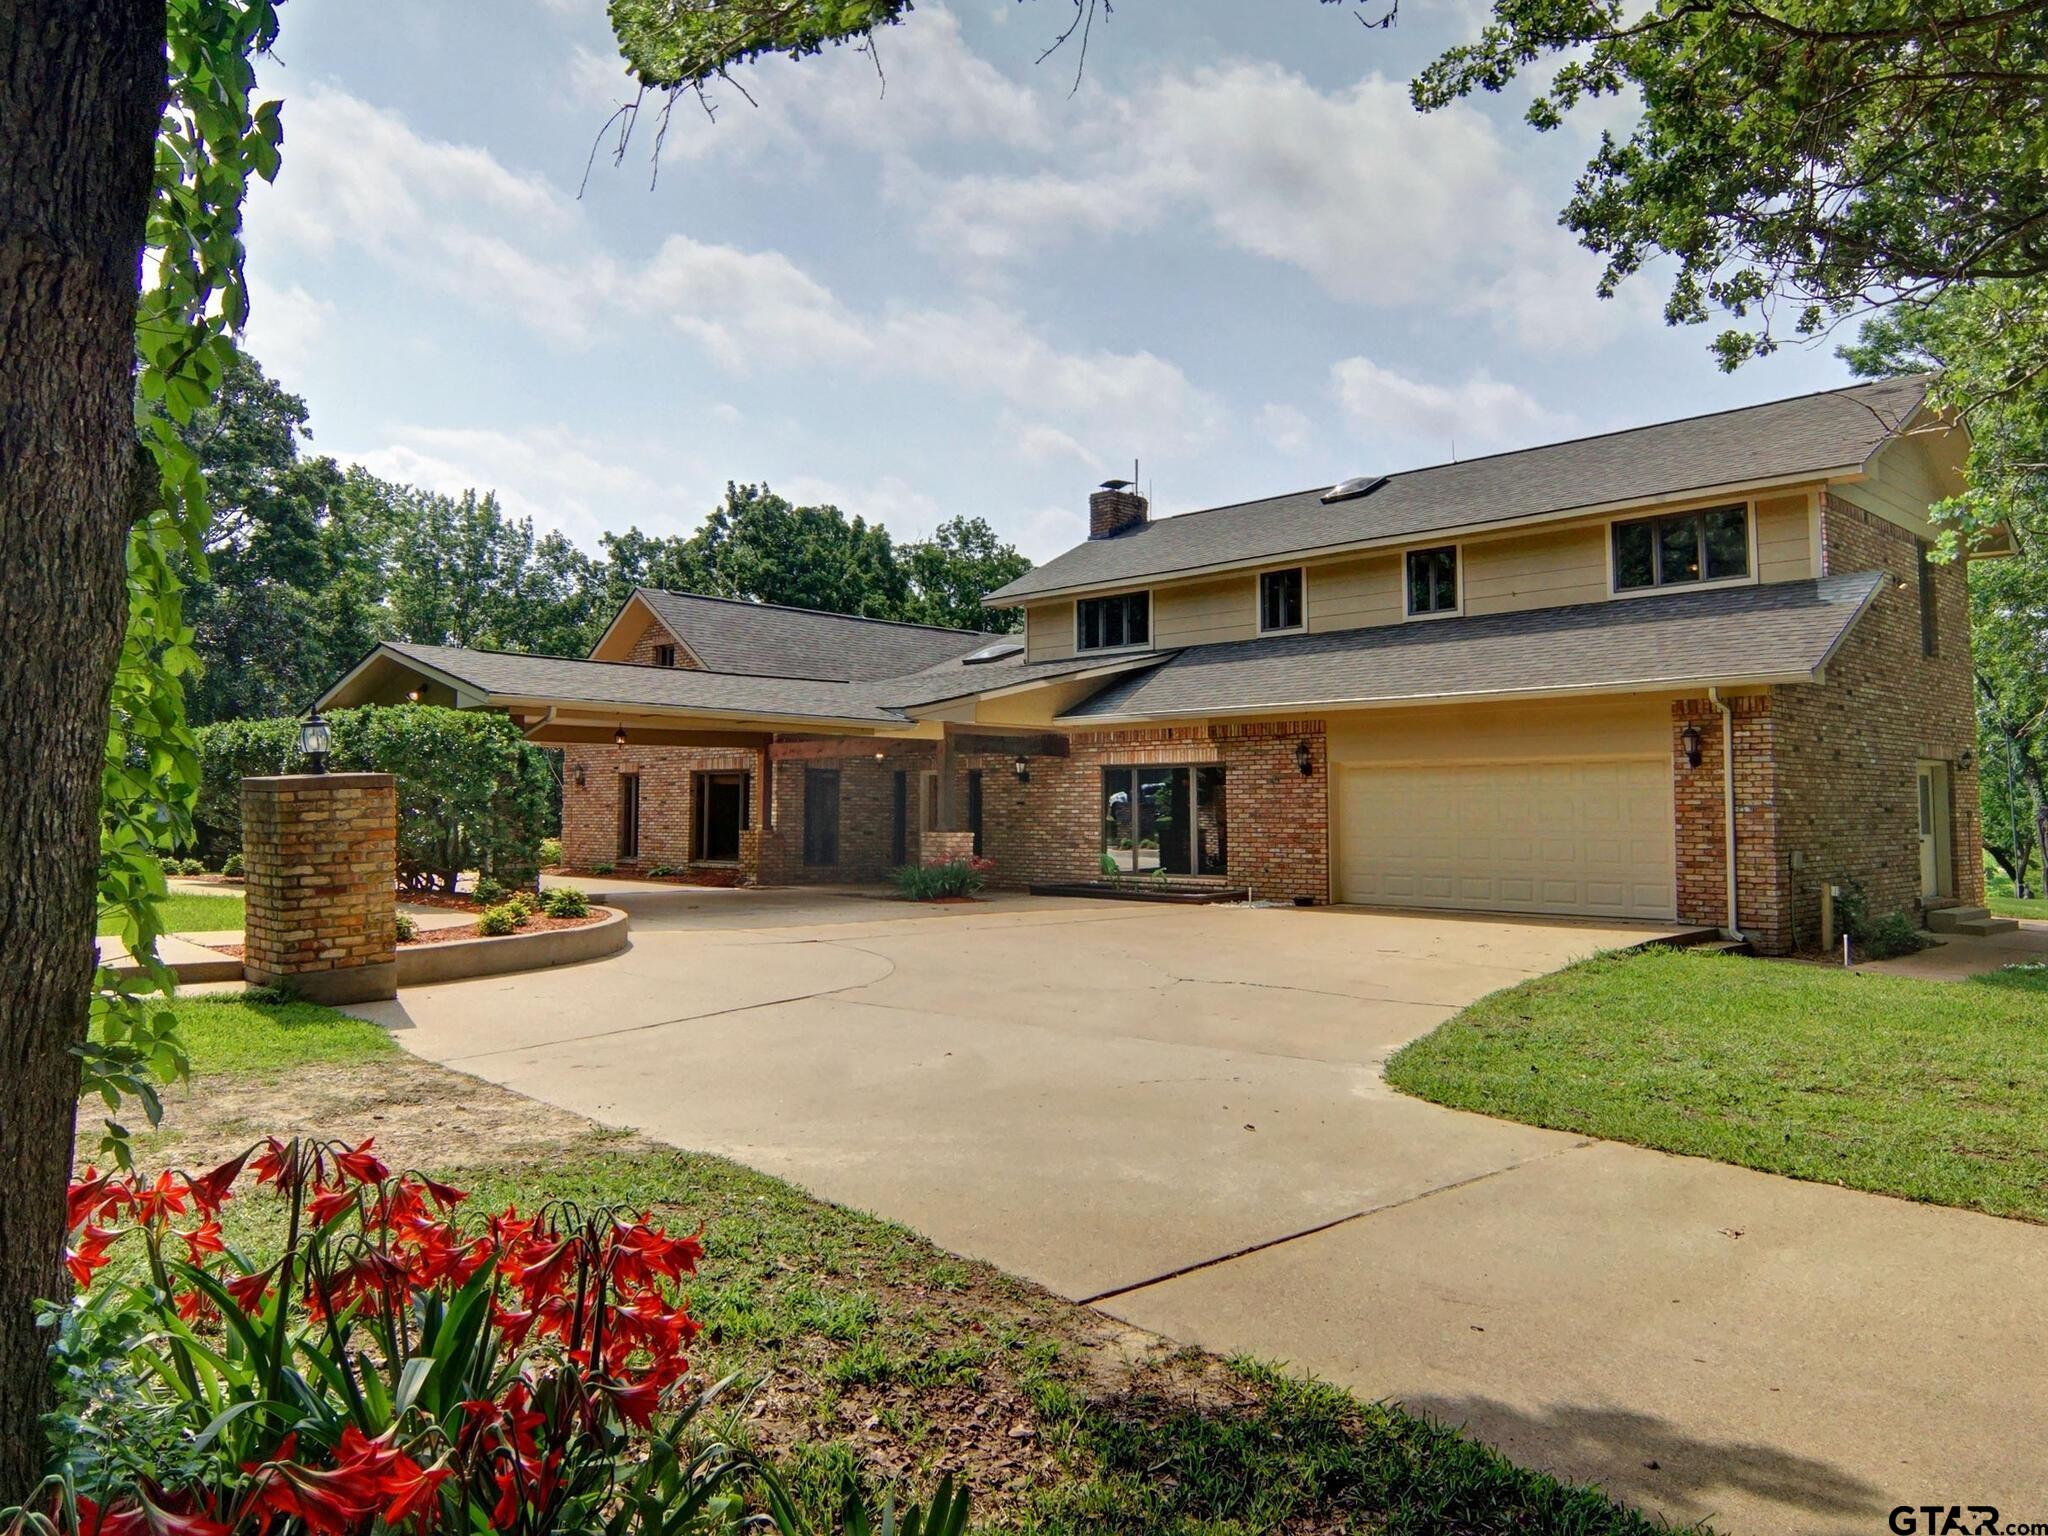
column 1151, row 623
column 1457, row 608
column 1259, row 600
column 1748, row 505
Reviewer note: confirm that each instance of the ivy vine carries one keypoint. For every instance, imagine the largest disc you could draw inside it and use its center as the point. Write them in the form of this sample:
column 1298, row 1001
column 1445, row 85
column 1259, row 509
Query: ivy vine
column 195, row 299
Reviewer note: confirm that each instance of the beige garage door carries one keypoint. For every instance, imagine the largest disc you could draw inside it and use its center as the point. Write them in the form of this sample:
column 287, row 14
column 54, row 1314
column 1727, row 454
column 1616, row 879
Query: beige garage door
column 1587, row 838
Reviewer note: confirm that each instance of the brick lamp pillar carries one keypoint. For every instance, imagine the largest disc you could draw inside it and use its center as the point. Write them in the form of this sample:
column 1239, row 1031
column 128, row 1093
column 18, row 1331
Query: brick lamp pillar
column 320, row 862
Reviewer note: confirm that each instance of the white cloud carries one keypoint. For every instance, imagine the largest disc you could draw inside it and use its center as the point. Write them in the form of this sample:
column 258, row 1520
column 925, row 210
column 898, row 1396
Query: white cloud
column 1379, row 204
column 744, row 306
column 599, row 80
column 285, row 326
column 907, row 512
column 1286, row 427
column 550, row 474
column 1428, row 419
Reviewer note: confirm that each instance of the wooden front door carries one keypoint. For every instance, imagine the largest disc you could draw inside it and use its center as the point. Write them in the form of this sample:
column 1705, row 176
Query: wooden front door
column 1933, row 796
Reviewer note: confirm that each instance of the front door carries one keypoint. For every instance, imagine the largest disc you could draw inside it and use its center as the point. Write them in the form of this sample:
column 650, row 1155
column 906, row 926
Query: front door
column 629, row 817
column 721, row 812
column 1933, row 824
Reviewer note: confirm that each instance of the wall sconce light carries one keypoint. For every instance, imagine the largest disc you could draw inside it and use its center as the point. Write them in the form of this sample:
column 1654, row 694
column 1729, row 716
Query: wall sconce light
column 1689, row 738
column 1022, row 769
column 314, row 741
column 881, row 756
column 1304, row 758
column 582, row 776
column 412, row 695
column 619, row 737
column 1966, row 757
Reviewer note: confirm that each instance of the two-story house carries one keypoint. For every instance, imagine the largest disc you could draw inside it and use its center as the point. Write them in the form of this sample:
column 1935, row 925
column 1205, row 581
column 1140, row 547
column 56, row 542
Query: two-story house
column 1693, row 671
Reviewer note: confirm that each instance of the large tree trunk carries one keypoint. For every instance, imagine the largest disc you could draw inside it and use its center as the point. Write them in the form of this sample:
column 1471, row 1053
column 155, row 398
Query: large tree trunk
column 81, row 92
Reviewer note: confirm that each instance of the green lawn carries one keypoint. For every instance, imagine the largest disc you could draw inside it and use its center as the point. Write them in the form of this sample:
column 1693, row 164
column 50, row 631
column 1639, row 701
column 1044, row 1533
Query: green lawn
column 183, row 913
column 875, row 1354
column 1999, row 898
column 1933, row 1090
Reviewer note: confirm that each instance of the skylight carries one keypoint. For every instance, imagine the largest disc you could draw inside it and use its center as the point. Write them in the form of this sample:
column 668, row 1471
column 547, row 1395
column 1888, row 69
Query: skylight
column 995, row 651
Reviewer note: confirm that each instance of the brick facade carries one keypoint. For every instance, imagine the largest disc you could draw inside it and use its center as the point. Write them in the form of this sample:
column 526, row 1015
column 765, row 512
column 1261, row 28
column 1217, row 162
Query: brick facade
column 655, row 635
column 1827, row 774
column 320, row 856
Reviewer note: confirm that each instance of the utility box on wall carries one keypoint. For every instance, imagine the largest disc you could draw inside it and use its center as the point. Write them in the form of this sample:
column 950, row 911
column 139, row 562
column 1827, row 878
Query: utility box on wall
column 320, row 858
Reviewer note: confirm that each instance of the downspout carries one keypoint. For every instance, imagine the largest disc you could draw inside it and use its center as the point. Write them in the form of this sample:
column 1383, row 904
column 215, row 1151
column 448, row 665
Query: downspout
column 1728, row 802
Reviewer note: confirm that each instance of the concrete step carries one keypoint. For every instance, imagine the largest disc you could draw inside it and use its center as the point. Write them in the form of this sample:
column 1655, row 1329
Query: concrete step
column 1725, row 947
column 1982, row 927
column 1952, row 919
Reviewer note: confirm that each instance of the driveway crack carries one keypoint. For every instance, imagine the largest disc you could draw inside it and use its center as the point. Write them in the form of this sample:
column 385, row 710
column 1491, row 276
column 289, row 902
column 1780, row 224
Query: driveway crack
column 1324, row 1226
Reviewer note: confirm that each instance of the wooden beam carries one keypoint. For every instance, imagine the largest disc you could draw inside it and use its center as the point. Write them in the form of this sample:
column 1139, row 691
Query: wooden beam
column 826, row 748
column 561, row 735
column 977, row 744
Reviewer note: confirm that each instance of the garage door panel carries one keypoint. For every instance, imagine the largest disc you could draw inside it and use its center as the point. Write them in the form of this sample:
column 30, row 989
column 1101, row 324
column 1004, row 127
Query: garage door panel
column 1585, row 838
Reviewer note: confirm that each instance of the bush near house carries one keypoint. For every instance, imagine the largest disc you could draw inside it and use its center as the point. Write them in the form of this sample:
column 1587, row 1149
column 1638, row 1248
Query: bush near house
column 939, row 882
column 472, row 792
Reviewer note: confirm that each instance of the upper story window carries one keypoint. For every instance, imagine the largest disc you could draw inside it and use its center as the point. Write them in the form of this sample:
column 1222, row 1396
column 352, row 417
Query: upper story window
column 1930, row 621
column 664, row 655
column 1280, row 600
column 1433, row 580
column 1684, row 548
column 1108, row 623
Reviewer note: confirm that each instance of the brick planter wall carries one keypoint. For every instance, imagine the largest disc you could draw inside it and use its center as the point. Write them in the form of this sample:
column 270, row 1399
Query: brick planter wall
column 320, row 858
column 1278, row 820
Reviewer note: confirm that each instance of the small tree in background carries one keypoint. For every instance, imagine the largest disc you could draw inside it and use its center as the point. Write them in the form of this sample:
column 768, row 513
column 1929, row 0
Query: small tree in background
column 473, row 793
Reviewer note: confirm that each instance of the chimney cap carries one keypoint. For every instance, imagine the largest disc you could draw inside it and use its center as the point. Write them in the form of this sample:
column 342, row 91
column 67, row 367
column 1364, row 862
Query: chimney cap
column 1115, row 485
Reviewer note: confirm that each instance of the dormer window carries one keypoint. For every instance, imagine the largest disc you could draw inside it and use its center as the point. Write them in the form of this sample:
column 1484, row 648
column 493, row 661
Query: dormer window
column 1280, row 600
column 1113, row 623
column 664, row 655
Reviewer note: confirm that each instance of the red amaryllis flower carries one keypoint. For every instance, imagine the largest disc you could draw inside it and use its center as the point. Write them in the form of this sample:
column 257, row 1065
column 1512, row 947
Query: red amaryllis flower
column 193, row 1307
column 327, row 1204
column 202, row 1240
column 411, row 1489
column 249, row 1290
column 143, row 1518
column 360, row 1165
column 210, row 1189
column 273, row 1165
column 163, row 1199
column 332, row 1503
column 636, row 1404
column 447, row 1196
column 88, row 1255
column 93, row 1194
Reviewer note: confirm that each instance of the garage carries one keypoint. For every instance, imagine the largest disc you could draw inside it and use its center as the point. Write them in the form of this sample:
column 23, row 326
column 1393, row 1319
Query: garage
column 1588, row 838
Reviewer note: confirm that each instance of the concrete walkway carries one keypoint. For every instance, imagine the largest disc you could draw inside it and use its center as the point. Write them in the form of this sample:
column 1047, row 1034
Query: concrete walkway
column 1178, row 1114
column 1957, row 956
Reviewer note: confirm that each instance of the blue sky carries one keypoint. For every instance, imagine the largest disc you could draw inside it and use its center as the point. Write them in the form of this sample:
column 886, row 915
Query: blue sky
column 1235, row 255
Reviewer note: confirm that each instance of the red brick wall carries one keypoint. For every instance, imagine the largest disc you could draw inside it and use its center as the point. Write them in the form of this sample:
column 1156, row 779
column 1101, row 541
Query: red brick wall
column 1848, row 748
column 653, row 635
column 867, row 788
column 590, row 812
column 321, row 864
column 1278, row 819
column 1702, row 831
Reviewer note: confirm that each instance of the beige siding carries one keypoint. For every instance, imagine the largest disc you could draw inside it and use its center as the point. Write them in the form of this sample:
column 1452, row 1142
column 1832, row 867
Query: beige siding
column 1784, row 538
column 1353, row 594
column 1049, row 631
column 1555, row 730
column 1904, row 480
column 1205, row 613
column 1540, row 570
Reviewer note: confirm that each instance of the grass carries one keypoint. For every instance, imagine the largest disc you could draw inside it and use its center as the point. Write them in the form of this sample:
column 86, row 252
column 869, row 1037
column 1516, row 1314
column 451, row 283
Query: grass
column 869, row 1353
column 1934, row 1090
column 1999, row 898
column 187, row 913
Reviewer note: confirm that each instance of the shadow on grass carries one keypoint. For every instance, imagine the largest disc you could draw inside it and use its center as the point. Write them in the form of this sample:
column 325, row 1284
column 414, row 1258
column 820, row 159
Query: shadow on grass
column 1640, row 1456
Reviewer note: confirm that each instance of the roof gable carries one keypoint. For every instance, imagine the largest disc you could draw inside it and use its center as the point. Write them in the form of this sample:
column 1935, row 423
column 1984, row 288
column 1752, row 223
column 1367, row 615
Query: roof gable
column 767, row 640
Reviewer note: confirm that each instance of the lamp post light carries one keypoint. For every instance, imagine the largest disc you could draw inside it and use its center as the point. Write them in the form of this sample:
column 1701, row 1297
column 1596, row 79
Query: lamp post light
column 315, row 740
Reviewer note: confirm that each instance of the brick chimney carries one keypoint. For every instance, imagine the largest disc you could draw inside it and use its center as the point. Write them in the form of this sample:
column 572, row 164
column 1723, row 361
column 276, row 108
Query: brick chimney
column 1114, row 510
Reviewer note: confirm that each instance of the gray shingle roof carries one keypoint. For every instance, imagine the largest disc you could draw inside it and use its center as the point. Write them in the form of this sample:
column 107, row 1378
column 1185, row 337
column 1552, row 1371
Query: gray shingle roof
column 957, row 680
column 1831, row 430
column 503, row 674
column 772, row 641
column 1784, row 630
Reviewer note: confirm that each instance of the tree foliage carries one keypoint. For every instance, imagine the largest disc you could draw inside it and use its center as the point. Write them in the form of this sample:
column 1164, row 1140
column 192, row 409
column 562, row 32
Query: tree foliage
column 1803, row 160
column 473, row 792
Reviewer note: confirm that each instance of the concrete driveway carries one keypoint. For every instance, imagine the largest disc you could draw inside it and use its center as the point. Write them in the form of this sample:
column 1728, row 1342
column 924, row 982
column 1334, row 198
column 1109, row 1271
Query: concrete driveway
column 1177, row 1114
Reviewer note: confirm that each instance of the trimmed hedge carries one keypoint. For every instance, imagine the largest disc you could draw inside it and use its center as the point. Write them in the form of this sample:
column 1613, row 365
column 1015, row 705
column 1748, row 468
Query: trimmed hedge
column 473, row 793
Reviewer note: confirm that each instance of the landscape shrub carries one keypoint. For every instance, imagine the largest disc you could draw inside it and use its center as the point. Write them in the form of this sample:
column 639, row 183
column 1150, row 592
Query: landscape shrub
column 489, row 892
column 473, row 793
column 407, row 929
column 231, row 866
column 525, row 903
column 602, row 869
column 565, row 901
column 935, row 882
column 496, row 922
column 666, row 871
column 1878, row 938
column 551, row 853
column 395, row 1371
